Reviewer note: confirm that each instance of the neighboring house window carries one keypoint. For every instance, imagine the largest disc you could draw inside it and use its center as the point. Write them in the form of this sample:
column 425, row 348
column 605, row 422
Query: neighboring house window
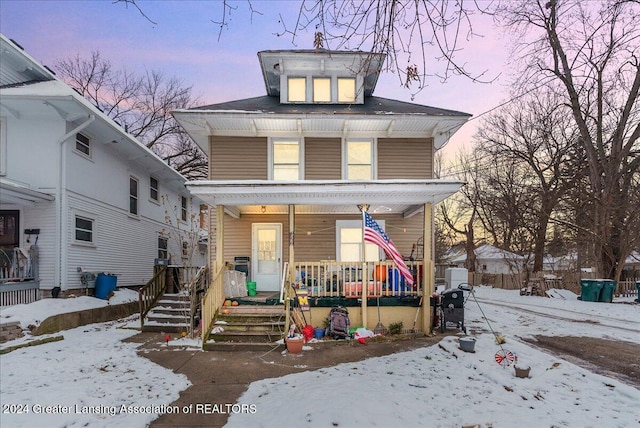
column 153, row 189
column 349, row 242
column 84, row 229
column 83, row 145
column 286, row 159
column 296, row 89
column 185, row 249
column 183, row 208
column 163, row 247
column 3, row 147
column 321, row 89
column 359, row 160
column 133, row 195
column 346, row 90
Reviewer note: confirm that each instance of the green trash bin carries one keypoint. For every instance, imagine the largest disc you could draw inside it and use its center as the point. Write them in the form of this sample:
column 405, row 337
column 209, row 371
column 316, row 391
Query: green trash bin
column 251, row 288
column 590, row 290
column 608, row 290
column 638, row 288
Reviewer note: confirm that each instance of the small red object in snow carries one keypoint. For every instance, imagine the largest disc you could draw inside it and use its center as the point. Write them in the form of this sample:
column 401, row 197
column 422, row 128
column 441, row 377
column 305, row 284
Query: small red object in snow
column 167, row 338
column 362, row 340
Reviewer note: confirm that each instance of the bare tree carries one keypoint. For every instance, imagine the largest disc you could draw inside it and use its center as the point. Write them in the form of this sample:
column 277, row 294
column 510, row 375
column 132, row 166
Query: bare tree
column 530, row 144
column 141, row 104
column 420, row 38
column 591, row 52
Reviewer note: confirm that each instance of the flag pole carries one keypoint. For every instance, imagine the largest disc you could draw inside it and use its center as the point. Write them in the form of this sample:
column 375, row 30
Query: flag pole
column 365, row 285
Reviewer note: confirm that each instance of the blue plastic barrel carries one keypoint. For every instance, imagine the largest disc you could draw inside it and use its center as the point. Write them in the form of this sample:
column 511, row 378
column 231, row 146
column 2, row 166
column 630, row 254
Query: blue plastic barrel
column 396, row 281
column 105, row 284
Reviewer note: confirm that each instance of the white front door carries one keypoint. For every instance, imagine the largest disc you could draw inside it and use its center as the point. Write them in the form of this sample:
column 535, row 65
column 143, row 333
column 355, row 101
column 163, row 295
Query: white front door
column 266, row 256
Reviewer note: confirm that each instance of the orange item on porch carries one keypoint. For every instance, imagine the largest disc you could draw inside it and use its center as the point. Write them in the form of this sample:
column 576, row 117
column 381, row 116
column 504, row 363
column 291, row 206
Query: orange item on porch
column 380, row 273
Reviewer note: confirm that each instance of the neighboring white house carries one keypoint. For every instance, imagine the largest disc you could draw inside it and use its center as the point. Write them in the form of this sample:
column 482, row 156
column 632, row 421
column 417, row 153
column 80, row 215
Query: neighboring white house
column 490, row 259
column 77, row 187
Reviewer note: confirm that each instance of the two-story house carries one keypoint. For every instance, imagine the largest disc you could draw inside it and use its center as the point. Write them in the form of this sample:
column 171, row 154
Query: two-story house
column 78, row 193
column 289, row 173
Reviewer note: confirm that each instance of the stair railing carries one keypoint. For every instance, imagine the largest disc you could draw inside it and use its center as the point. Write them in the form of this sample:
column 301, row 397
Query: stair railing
column 196, row 288
column 149, row 294
column 212, row 302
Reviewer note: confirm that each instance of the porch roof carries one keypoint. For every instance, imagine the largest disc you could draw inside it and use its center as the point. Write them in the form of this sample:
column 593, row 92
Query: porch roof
column 19, row 194
column 324, row 196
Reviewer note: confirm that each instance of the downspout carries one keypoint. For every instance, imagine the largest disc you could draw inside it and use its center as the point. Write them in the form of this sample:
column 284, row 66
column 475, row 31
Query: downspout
column 61, row 200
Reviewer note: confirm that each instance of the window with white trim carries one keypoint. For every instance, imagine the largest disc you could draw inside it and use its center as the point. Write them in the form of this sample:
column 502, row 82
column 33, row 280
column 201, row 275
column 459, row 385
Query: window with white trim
column 296, row 89
column 163, row 247
column 83, row 145
column 133, row 195
column 346, row 89
column 184, row 208
column 286, row 159
column 84, row 229
column 359, row 159
column 321, row 89
column 153, row 189
column 349, row 242
column 3, row 147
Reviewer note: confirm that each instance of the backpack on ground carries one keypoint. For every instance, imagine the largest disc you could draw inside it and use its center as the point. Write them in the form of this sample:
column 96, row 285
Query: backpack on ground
column 339, row 323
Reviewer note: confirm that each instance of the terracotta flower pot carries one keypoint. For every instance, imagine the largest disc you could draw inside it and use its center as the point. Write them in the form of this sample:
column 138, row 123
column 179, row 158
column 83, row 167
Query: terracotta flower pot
column 294, row 344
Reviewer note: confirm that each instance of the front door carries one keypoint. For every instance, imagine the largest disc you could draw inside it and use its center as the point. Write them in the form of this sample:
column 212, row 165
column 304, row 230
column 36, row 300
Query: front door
column 266, row 256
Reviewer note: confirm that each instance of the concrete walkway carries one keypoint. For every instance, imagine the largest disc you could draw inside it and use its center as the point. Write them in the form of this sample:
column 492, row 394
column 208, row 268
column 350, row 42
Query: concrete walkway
column 220, row 378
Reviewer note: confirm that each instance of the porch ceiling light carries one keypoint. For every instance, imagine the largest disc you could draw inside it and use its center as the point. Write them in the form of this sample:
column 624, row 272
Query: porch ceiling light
column 263, row 209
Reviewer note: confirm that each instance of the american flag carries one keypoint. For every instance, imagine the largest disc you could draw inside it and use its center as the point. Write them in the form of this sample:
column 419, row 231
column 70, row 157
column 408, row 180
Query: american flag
column 374, row 233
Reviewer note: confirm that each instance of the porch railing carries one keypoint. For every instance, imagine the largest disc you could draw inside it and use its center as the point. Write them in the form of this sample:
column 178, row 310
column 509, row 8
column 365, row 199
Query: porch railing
column 344, row 279
column 212, row 302
column 17, row 264
column 149, row 294
column 196, row 288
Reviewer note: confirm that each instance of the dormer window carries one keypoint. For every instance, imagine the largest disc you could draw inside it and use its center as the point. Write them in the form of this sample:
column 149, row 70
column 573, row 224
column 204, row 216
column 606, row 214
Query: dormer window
column 346, row 90
column 321, row 89
column 297, row 89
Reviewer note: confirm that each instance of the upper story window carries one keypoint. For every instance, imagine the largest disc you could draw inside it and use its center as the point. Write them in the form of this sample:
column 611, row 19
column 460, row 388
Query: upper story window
column 83, row 144
column 321, row 89
column 133, row 195
column 359, row 158
column 163, row 247
column 297, row 89
column 346, row 90
column 183, row 208
column 153, row 189
column 286, row 159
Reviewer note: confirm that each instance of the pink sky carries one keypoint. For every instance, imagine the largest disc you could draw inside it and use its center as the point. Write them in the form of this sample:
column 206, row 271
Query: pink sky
column 184, row 43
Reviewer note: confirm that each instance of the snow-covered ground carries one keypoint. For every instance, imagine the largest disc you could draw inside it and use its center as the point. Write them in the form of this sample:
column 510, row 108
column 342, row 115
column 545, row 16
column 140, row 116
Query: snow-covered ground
column 93, row 379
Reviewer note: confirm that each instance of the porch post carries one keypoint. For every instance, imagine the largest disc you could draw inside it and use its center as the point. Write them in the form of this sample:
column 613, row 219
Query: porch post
column 219, row 238
column 291, row 272
column 428, row 279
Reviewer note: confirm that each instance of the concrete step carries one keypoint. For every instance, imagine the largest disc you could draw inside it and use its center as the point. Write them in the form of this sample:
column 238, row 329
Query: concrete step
column 252, row 326
column 249, row 336
column 165, row 327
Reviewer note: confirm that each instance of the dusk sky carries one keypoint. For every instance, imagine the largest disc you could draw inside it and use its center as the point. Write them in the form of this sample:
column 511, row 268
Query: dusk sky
column 184, row 42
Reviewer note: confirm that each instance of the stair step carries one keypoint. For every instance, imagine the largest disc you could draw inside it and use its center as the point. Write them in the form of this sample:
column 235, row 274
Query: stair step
column 171, row 311
column 252, row 326
column 246, row 347
column 248, row 336
column 254, row 310
column 165, row 328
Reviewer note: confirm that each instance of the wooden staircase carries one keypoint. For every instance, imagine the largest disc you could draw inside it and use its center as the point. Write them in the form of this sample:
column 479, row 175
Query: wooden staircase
column 247, row 328
column 169, row 315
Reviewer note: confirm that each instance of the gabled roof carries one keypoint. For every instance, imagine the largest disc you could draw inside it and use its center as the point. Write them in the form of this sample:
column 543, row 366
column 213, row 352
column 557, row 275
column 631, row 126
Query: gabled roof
column 489, row 252
column 51, row 95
